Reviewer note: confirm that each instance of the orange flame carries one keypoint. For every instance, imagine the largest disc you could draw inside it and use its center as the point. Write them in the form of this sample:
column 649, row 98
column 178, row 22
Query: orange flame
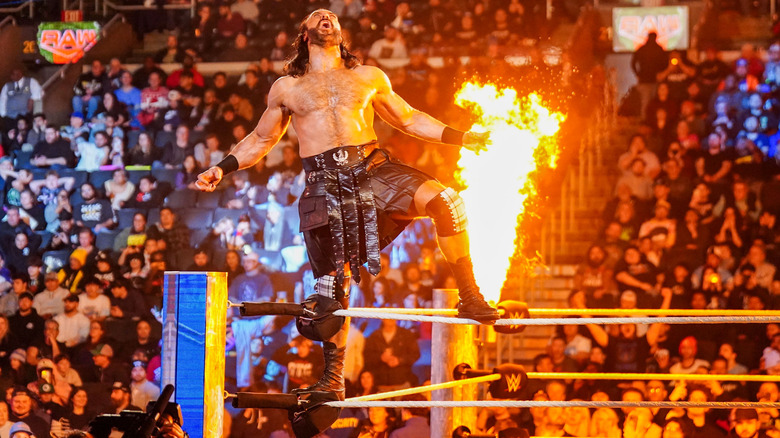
column 501, row 179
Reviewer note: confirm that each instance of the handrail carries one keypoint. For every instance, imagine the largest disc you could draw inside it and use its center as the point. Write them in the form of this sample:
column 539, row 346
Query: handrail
column 6, row 20
column 28, row 3
column 109, row 4
column 60, row 73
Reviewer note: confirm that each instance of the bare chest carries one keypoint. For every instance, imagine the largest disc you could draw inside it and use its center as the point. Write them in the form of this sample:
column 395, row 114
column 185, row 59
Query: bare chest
column 328, row 93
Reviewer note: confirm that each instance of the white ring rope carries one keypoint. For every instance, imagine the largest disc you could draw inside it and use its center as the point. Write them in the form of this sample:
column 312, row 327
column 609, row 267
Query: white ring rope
column 544, row 403
column 566, row 321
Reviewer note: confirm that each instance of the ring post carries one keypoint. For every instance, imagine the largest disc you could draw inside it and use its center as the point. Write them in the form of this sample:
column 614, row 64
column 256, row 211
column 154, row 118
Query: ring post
column 194, row 312
column 452, row 344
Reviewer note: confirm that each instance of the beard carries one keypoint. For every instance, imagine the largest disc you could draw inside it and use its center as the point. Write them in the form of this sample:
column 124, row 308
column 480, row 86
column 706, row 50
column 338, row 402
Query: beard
column 330, row 37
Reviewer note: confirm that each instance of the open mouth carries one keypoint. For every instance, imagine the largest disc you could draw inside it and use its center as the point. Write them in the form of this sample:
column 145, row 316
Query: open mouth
column 325, row 24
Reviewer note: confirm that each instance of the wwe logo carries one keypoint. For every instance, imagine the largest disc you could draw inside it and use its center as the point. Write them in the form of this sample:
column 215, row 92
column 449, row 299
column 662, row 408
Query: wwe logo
column 341, row 157
column 513, row 382
column 515, row 315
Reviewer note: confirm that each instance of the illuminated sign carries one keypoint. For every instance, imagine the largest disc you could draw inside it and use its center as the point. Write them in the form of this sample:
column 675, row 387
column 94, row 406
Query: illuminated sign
column 631, row 26
column 61, row 43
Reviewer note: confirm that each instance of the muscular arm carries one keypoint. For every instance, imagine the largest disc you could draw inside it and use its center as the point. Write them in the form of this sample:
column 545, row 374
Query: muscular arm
column 268, row 131
column 394, row 110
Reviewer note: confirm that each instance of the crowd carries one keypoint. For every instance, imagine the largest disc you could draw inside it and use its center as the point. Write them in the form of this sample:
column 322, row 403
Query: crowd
column 95, row 211
column 692, row 225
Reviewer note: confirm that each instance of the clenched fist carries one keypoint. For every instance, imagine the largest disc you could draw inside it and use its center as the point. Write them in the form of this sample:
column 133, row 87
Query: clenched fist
column 209, row 179
column 476, row 141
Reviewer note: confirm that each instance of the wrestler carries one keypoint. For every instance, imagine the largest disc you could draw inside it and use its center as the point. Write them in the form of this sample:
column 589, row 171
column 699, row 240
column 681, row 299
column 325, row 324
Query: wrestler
column 357, row 198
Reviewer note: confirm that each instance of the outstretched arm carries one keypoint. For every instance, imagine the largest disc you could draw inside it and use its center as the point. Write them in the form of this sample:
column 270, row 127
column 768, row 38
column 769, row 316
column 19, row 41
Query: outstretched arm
column 394, row 110
column 257, row 144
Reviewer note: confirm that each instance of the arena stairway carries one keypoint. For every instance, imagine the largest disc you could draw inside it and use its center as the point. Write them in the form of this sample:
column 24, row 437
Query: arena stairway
column 553, row 283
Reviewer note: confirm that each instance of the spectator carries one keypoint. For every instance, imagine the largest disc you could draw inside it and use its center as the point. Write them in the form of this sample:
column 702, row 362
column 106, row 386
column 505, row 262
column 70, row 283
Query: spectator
column 9, row 303
column 93, row 155
column 19, row 97
column 143, row 341
column 390, row 353
column 647, row 62
column 93, row 213
column 229, row 24
column 52, row 151
column 93, row 303
column 142, row 391
column 119, row 189
column 126, row 302
column 77, row 129
column 170, row 230
column 89, row 89
column 239, row 51
column 23, row 410
column 49, row 301
column 391, row 45
column 105, row 371
column 74, row 325
column 79, row 417
column 171, row 53
column 147, row 195
column 175, row 152
column 153, row 98
column 120, row 398
column 562, row 362
column 638, row 149
column 281, row 48
column 25, row 322
column 188, row 174
column 689, row 363
column 637, row 181
column 144, row 153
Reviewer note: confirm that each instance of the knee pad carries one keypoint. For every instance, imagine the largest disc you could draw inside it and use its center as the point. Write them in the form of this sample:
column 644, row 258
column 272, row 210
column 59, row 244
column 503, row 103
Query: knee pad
column 448, row 213
column 319, row 323
column 329, row 286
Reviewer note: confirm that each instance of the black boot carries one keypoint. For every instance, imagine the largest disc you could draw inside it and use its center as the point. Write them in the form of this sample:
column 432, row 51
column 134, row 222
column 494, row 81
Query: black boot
column 332, row 380
column 472, row 304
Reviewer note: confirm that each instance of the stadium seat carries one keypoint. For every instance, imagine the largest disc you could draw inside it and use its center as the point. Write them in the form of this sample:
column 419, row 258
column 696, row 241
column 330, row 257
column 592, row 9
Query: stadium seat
column 136, row 175
column 181, row 199
column 79, row 176
column 22, row 159
column 154, row 216
column 54, row 260
column 228, row 212
column 125, row 216
column 99, row 177
column 209, row 199
column 75, row 198
column 196, row 218
column 132, row 138
column 105, row 239
column 164, row 137
column 45, row 238
column 197, row 235
column 166, row 175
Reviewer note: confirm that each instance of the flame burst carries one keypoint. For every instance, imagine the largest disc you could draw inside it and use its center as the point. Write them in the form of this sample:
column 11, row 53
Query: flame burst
column 501, row 181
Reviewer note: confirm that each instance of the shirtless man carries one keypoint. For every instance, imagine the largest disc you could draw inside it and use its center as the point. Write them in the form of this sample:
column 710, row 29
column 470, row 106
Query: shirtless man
column 357, row 198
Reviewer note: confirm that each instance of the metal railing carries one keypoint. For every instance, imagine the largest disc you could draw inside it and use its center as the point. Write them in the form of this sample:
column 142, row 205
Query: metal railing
column 8, row 20
column 590, row 154
column 60, row 73
column 12, row 10
column 108, row 4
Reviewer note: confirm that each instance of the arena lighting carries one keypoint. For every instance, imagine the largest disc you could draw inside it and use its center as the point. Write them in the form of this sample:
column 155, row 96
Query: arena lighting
column 501, row 182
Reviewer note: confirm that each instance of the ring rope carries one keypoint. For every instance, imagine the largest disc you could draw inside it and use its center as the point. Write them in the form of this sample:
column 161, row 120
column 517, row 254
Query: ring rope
column 427, row 388
column 579, row 312
column 566, row 321
column 652, row 376
column 545, row 403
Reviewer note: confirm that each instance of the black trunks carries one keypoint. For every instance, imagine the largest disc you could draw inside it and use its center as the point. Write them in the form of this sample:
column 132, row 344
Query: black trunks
column 356, row 201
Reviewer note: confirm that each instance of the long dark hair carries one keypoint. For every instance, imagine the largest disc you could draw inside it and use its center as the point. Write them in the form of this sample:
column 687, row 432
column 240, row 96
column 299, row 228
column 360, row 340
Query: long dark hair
column 296, row 64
